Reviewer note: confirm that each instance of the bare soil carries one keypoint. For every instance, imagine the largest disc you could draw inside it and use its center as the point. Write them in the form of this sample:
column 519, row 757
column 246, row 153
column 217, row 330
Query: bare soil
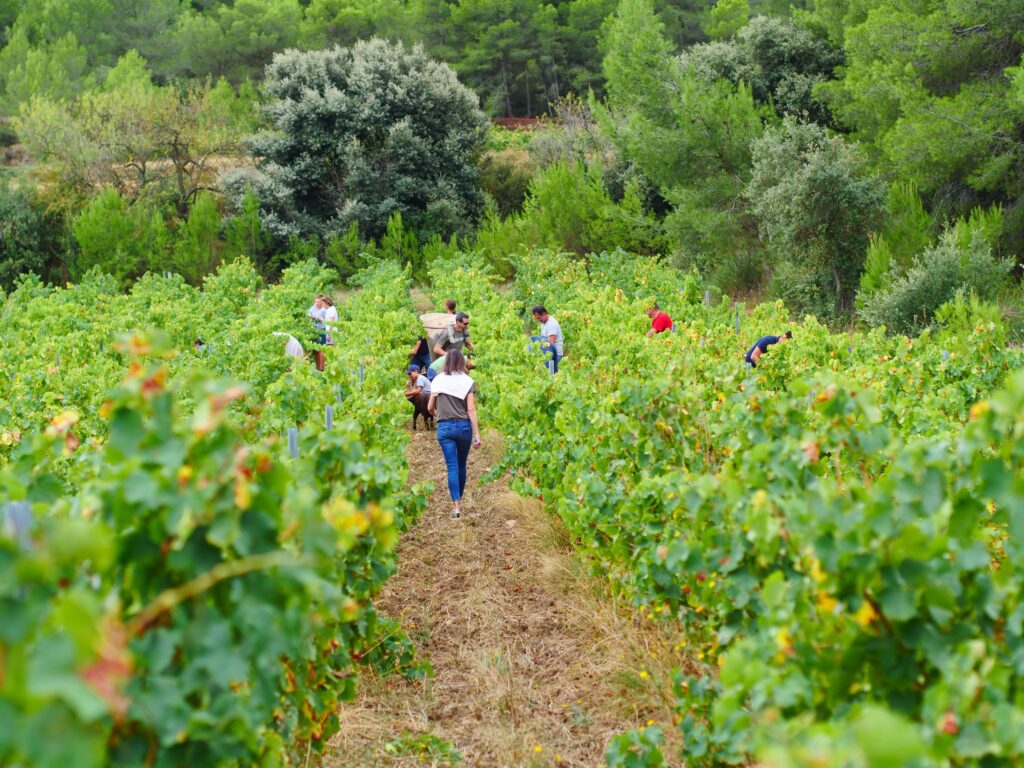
column 535, row 664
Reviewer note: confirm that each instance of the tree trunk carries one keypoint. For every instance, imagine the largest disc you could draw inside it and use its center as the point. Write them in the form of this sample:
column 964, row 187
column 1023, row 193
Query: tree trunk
column 840, row 298
column 504, row 85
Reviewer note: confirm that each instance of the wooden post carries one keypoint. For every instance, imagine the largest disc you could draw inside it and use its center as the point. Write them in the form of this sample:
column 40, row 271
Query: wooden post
column 19, row 514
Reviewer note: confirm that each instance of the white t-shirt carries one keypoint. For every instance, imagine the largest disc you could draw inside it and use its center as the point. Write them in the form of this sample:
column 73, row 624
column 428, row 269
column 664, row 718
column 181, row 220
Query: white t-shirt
column 330, row 316
column 552, row 328
column 293, row 348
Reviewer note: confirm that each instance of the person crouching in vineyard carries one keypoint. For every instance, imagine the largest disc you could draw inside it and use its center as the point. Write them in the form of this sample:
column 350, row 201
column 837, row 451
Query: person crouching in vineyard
column 292, row 347
column 761, row 346
column 453, row 404
column 417, row 392
column 660, row 321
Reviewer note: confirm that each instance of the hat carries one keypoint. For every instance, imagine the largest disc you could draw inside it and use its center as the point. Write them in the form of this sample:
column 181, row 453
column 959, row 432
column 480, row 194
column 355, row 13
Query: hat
column 412, row 368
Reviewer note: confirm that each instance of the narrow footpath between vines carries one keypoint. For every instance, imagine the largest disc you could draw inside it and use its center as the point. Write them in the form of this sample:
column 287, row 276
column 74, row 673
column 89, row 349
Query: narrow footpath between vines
column 534, row 664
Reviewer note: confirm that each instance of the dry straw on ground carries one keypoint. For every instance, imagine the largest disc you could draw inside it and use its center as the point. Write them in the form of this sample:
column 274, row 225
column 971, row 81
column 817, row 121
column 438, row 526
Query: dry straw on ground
column 534, row 663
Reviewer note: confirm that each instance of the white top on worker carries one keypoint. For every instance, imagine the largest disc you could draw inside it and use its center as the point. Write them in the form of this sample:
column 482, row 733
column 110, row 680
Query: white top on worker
column 549, row 328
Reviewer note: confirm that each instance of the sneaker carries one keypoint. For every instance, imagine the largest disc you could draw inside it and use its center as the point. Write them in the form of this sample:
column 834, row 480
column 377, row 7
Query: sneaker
column 456, row 514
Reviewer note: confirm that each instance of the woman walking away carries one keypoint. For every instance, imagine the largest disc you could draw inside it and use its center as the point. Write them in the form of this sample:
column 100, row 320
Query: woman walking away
column 453, row 404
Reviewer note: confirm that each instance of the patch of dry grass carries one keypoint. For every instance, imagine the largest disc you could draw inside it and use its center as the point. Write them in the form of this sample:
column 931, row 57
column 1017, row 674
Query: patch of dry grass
column 535, row 664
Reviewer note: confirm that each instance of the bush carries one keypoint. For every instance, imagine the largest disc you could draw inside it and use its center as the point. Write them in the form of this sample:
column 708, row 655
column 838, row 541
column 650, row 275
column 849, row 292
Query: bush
column 815, row 203
column 120, row 239
column 568, row 207
column 197, row 247
column 506, row 178
column 738, row 273
column 804, row 291
column 945, row 269
column 362, row 133
column 23, row 236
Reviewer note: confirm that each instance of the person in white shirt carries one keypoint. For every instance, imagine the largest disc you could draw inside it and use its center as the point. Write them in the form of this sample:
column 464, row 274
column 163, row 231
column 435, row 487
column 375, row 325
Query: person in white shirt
column 316, row 314
column 330, row 316
column 292, row 347
column 550, row 334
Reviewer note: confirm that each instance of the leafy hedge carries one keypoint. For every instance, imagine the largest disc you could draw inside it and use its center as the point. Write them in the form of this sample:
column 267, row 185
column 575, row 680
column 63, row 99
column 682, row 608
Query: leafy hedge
column 177, row 589
column 833, row 533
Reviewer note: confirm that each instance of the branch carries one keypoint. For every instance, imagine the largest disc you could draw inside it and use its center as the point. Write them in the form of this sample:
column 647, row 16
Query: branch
column 969, row 128
column 173, row 597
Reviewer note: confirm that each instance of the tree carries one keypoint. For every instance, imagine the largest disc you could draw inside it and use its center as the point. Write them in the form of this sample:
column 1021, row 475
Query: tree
column 197, row 243
column 691, row 137
column 56, row 70
column 118, row 238
column 23, row 235
column 816, row 203
column 344, row 22
column 8, row 13
column 781, row 62
column 133, row 136
column 926, row 87
column 235, row 41
column 362, row 133
column 76, row 42
column 728, row 17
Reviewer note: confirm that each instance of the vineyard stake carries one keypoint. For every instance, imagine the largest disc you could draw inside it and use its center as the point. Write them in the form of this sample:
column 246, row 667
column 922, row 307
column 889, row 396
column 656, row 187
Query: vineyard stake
column 362, row 372
column 329, row 416
column 293, row 442
column 737, row 320
column 19, row 513
column 707, row 299
column 945, row 354
column 551, row 367
column 339, row 394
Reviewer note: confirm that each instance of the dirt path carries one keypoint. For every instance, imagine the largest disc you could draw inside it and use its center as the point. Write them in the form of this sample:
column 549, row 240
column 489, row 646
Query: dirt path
column 533, row 666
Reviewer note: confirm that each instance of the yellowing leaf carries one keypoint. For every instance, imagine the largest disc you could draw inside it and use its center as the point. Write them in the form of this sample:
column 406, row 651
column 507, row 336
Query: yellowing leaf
column 865, row 614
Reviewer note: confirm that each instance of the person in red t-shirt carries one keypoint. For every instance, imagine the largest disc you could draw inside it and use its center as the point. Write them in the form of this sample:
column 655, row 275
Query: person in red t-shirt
column 659, row 321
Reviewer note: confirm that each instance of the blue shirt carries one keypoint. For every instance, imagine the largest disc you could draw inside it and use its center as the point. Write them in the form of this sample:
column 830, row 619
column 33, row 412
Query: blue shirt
column 764, row 342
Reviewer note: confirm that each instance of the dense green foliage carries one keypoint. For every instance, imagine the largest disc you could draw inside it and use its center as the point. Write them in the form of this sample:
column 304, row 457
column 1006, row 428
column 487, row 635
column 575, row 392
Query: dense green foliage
column 520, row 55
column 675, row 152
column 815, row 205
column 360, row 134
column 185, row 592
column 834, row 533
column 24, row 235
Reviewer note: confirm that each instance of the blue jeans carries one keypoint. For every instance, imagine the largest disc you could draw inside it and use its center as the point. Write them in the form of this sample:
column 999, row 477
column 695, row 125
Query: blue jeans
column 423, row 361
column 455, row 437
column 547, row 346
